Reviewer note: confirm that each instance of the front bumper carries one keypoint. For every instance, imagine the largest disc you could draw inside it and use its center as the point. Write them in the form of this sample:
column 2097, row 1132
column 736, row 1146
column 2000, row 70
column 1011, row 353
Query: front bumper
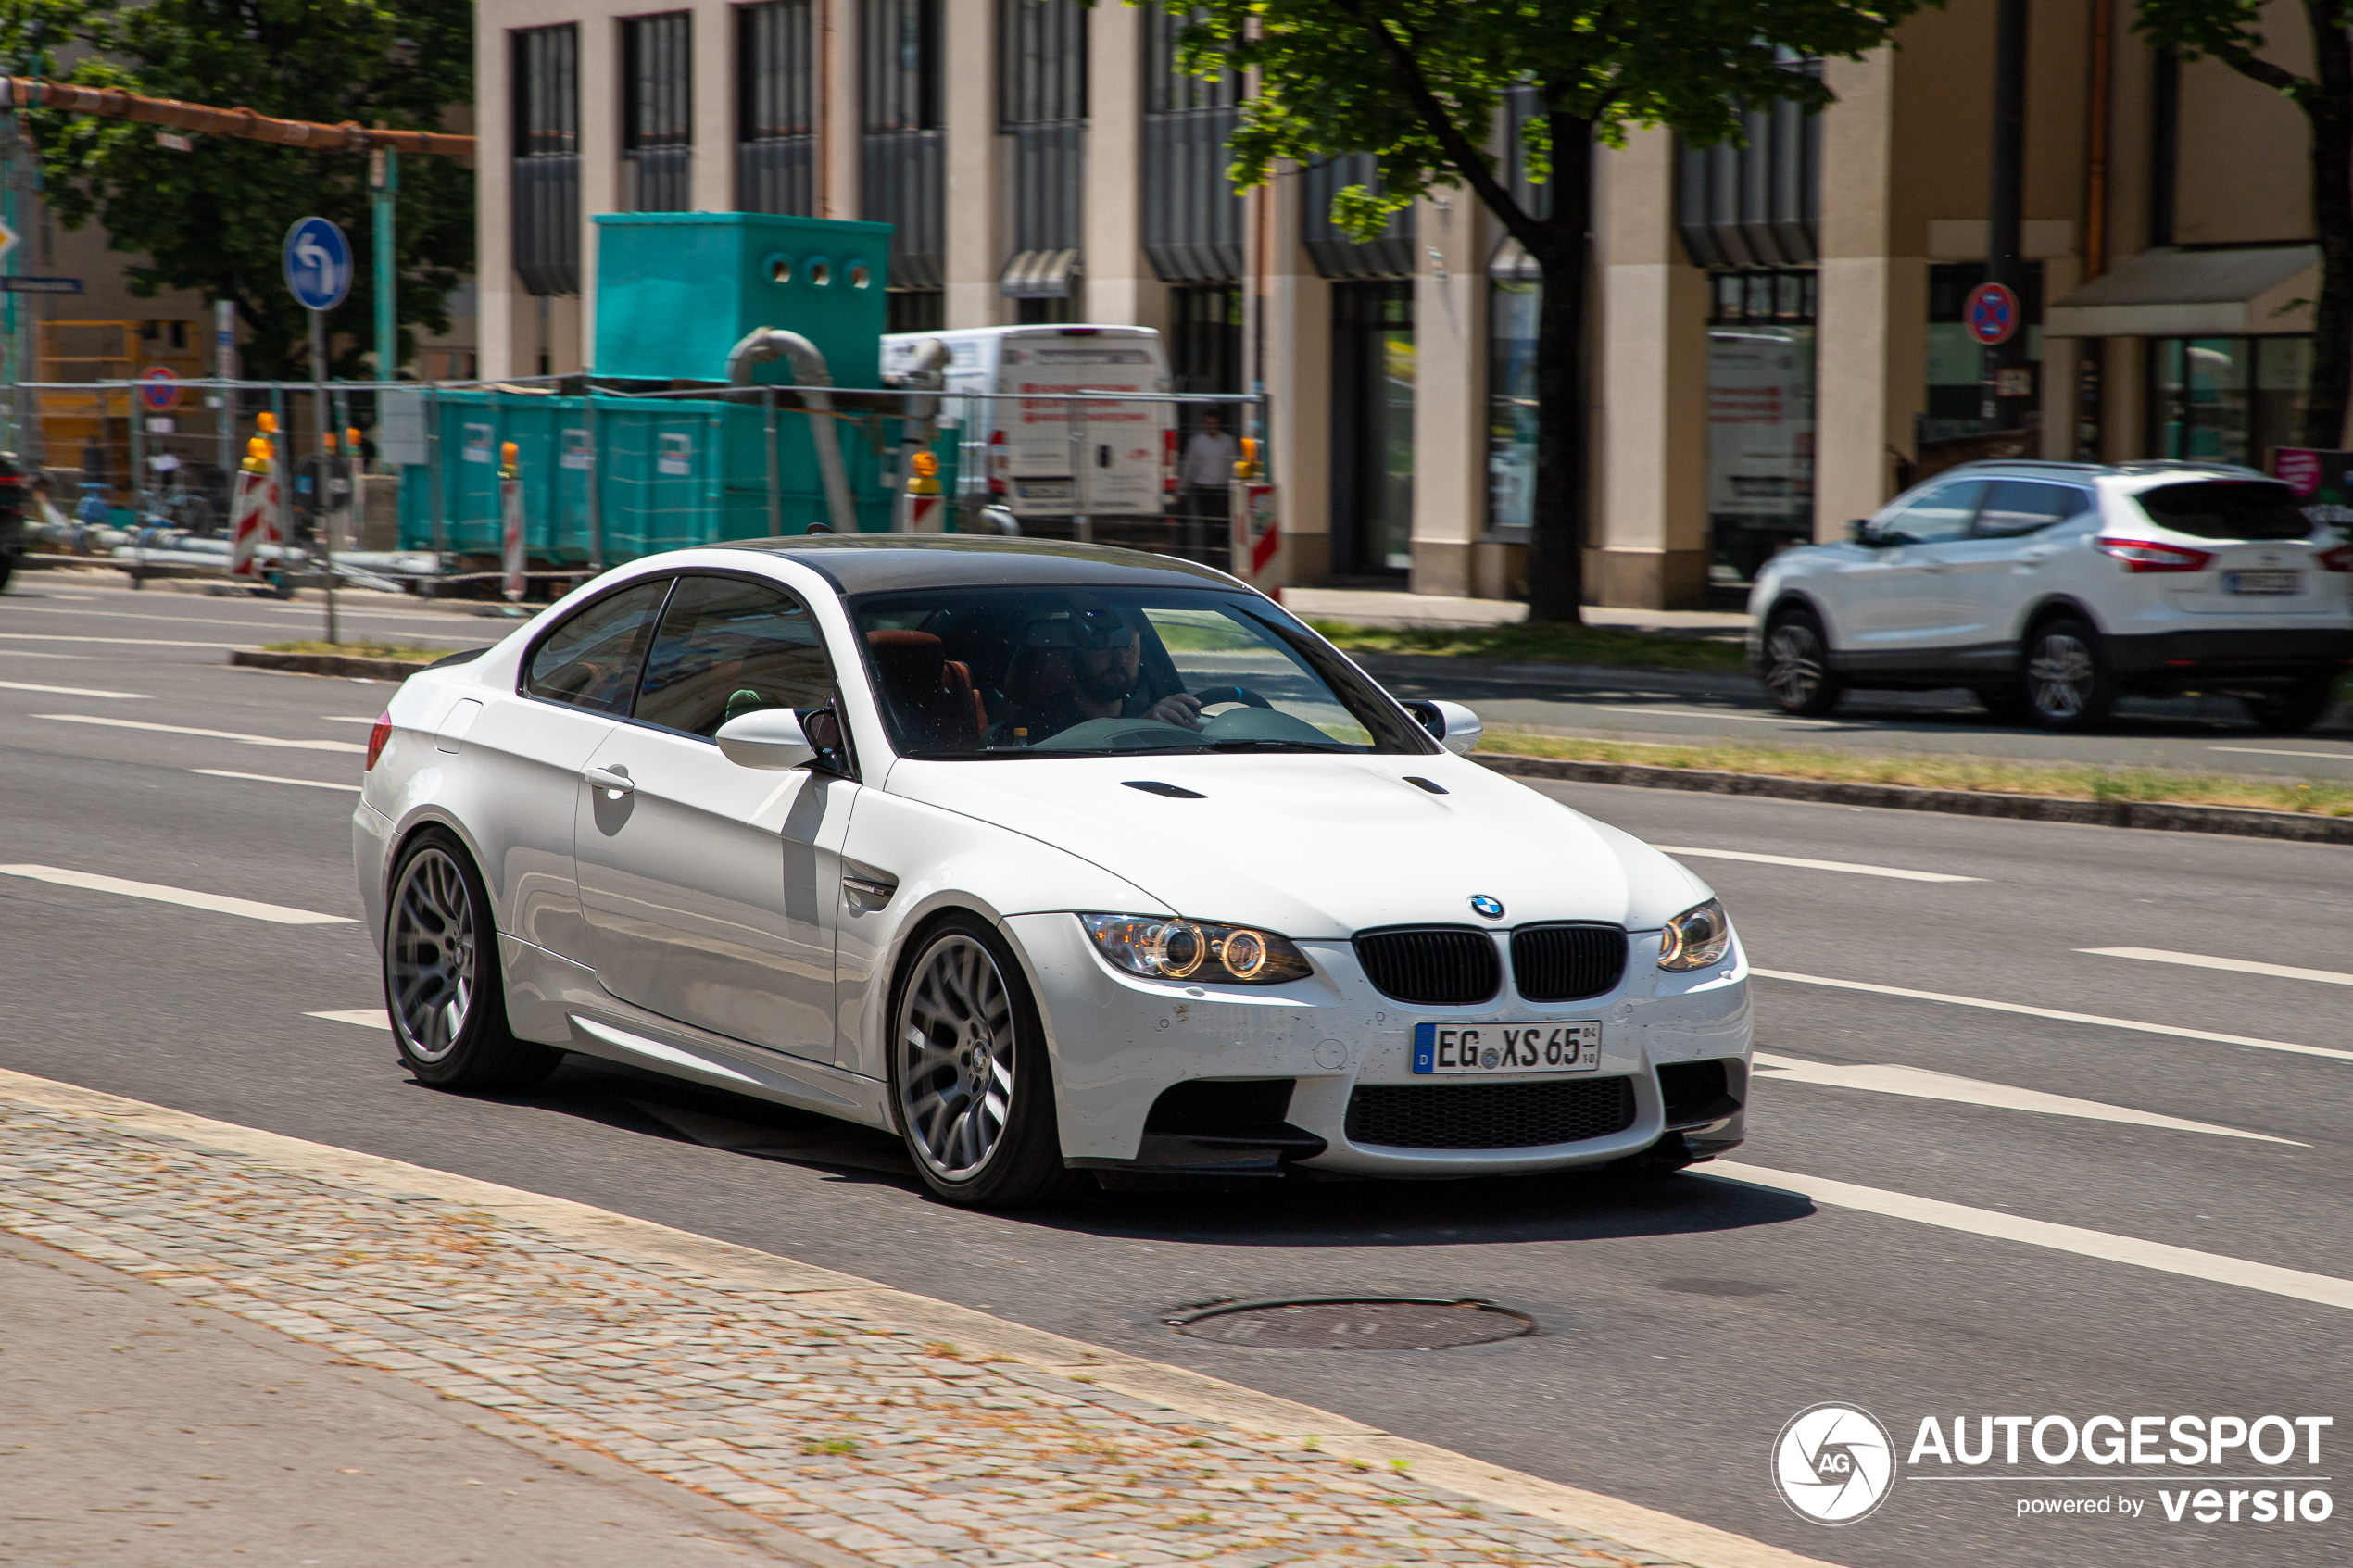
column 1121, row 1042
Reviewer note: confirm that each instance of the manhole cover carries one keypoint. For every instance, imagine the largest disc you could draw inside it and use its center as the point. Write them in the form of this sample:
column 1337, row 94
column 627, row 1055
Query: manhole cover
column 1354, row 1324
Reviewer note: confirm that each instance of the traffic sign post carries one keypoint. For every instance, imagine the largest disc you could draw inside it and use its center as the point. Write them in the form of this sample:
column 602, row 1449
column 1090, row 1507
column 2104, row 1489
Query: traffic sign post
column 160, row 388
column 317, row 266
column 1993, row 315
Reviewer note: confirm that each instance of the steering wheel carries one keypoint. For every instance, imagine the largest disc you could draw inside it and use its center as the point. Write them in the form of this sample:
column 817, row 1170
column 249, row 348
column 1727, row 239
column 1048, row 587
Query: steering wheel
column 1216, row 695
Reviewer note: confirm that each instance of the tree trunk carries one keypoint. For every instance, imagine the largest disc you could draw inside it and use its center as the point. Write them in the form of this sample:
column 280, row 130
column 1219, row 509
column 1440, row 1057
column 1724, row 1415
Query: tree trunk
column 1564, row 479
column 2331, row 115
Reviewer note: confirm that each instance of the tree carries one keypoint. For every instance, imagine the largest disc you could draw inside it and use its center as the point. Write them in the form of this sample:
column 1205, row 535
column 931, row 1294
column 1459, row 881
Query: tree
column 1417, row 84
column 212, row 220
column 2231, row 31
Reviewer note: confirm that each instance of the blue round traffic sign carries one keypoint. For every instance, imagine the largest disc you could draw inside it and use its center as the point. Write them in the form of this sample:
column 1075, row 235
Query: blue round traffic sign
column 318, row 262
column 1991, row 313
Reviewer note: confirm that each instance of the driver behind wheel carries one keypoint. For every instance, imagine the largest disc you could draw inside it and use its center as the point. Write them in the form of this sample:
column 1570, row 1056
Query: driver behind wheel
column 1104, row 659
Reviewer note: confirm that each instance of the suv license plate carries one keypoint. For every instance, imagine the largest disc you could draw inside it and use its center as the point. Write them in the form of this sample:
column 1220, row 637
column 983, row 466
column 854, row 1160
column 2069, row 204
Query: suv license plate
column 1452, row 1048
column 2262, row 581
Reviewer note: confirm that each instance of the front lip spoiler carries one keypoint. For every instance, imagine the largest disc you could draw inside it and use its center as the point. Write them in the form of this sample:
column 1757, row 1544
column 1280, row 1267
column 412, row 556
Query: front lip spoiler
column 1259, row 1152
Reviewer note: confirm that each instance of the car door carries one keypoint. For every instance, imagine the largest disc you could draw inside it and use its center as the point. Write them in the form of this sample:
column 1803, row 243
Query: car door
column 1996, row 571
column 711, row 890
column 1898, row 600
column 523, row 751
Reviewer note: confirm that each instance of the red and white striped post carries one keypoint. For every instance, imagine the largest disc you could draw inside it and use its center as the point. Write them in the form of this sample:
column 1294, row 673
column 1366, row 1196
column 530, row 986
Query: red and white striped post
column 253, row 511
column 510, row 524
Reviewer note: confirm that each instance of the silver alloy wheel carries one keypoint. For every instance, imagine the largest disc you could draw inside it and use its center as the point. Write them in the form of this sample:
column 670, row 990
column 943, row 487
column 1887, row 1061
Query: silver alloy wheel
column 2060, row 675
column 431, row 955
column 955, row 1063
column 1793, row 664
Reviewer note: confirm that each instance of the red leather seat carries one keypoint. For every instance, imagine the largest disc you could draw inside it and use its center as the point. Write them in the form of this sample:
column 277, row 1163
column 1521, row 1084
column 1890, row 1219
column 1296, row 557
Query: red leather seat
column 932, row 696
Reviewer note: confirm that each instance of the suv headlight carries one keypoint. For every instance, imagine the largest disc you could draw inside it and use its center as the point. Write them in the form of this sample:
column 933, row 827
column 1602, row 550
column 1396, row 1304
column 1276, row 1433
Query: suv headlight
column 1699, row 937
column 1160, row 949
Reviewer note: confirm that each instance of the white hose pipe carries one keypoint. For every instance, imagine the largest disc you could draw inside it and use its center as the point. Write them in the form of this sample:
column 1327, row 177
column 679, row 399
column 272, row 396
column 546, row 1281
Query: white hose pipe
column 764, row 343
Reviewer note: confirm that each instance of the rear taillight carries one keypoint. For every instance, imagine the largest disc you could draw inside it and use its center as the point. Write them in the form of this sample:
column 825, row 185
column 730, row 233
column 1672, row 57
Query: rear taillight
column 2146, row 555
column 2340, row 558
column 378, row 738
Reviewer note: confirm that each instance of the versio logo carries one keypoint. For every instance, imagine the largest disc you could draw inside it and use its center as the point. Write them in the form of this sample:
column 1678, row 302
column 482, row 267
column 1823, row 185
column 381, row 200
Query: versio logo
column 1833, row 1463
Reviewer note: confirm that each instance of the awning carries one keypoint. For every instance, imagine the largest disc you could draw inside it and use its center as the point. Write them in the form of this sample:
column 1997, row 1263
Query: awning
column 1039, row 274
column 2172, row 293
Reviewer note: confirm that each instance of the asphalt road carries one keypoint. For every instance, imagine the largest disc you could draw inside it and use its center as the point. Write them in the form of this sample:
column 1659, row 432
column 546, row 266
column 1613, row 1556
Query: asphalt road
column 1682, row 1324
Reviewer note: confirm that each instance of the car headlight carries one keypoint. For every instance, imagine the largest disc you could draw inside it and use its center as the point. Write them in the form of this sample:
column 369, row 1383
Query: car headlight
column 1699, row 937
column 1160, row 949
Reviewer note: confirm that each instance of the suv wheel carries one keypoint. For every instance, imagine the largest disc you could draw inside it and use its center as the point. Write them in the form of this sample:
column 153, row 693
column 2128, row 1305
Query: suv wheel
column 2068, row 685
column 1796, row 671
column 2298, row 706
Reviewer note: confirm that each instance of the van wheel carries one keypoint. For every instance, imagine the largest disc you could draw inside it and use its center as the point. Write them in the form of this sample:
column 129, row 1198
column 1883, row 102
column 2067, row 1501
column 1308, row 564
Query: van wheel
column 2068, row 683
column 2298, row 706
column 1796, row 671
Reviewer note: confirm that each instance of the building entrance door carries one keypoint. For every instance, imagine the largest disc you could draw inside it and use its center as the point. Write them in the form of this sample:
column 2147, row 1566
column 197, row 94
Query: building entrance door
column 1373, row 428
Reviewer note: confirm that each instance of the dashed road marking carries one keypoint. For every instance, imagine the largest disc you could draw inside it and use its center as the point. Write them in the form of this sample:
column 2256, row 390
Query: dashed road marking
column 366, row 1018
column 73, row 690
column 1736, row 718
column 2268, row 751
column 1848, row 866
column 237, row 736
column 1920, row 1082
column 2236, row 966
column 117, row 642
column 187, row 897
column 272, row 778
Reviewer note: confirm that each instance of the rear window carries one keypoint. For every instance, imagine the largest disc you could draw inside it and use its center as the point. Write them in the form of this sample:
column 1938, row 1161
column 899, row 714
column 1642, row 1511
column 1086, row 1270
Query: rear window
column 2227, row 509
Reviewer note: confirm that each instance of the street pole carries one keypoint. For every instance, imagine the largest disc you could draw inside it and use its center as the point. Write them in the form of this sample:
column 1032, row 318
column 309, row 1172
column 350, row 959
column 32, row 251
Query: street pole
column 385, row 182
column 2003, row 399
column 224, row 368
column 323, row 420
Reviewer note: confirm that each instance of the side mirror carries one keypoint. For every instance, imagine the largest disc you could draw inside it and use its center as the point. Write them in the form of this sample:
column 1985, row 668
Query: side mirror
column 1449, row 723
column 769, row 738
column 1856, row 535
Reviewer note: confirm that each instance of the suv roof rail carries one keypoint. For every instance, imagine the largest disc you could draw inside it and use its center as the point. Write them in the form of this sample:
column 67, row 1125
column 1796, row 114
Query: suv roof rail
column 2183, row 465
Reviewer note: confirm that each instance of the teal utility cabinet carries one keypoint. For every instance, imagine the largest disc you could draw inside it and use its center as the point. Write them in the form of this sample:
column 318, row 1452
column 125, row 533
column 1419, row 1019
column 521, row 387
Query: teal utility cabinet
column 675, row 291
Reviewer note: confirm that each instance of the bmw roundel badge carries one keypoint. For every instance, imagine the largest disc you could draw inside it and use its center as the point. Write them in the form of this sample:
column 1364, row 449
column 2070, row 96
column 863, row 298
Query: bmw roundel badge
column 1492, row 907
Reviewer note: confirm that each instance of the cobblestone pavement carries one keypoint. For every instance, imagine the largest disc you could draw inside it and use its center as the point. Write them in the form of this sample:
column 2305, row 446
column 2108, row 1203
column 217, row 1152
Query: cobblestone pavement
column 835, row 1424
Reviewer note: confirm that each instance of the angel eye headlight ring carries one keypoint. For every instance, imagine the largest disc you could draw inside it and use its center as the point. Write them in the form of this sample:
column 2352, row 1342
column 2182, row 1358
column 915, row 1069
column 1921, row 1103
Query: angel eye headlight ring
column 1178, row 949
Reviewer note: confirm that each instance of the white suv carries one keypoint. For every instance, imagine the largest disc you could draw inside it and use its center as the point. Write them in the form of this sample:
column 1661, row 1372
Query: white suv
column 2051, row 589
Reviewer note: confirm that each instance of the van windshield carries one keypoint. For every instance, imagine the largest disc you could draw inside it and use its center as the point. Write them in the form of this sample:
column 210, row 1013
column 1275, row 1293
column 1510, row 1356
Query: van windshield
column 981, row 673
column 2227, row 509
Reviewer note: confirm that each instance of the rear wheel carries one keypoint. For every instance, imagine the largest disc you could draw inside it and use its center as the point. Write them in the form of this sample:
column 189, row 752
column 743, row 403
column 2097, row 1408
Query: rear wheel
column 2068, row 685
column 2298, row 706
column 1796, row 671
column 970, row 1080
column 442, row 984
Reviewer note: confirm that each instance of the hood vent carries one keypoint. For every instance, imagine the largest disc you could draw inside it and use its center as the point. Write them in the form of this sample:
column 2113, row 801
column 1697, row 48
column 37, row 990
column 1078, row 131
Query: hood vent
column 1173, row 792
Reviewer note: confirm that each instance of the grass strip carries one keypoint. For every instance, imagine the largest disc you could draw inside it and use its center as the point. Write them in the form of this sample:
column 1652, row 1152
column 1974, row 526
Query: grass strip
column 2321, row 798
column 408, row 651
column 1544, row 643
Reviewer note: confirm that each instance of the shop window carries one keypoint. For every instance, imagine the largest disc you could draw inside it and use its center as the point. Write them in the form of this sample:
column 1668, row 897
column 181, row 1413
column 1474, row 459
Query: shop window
column 1760, row 418
column 1513, row 306
column 2228, row 399
column 1373, row 428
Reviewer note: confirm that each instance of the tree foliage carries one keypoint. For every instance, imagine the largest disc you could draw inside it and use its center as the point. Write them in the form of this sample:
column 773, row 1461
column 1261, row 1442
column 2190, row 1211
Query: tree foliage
column 212, row 220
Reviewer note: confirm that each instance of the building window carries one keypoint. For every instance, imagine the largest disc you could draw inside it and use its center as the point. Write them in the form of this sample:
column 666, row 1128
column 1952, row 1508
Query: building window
column 915, row 311
column 1760, row 418
column 775, row 110
column 1041, row 105
column 2228, row 399
column 1192, row 215
column 1957, row 362
column 1373, row 428
column 902, row 177
column 1514, row 304
column 546, row 66
column 657, row 113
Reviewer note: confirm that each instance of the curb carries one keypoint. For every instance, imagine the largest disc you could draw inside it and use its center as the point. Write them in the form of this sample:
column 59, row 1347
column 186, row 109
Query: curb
column 2158, row 815
column 1180, row 1389
column 348, row 665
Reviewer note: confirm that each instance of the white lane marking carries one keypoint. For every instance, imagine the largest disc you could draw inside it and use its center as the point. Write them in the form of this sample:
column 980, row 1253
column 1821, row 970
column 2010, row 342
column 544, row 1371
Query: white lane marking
column 277, row 914
column 2268, row 751
column 367, row 1018
column 239, row 737
column 410, row 618
column 1813, row 865
column 2325, row 1289
column 2053, row 1013
column 1736, row 718
column 72, row 691
column 348, row 718
column 2237, row 966
column 273, row 778
column 117, row 642
column 77, row 658
column 1920, row 1082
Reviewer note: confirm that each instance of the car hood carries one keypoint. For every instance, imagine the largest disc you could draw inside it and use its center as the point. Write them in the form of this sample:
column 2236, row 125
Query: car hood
column 1319, row 847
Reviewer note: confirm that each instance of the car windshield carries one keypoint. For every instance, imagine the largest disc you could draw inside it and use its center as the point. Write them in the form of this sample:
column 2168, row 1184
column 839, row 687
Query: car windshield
column 2228, row 508
column 1017, row 671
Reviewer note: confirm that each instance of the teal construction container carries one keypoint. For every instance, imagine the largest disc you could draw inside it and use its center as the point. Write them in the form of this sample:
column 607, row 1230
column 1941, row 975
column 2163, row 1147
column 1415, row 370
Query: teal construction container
column 675, row 291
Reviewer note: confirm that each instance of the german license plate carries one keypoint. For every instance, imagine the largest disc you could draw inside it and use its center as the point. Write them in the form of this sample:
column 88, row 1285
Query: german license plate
column 1453, row 1048
column 2262, row 581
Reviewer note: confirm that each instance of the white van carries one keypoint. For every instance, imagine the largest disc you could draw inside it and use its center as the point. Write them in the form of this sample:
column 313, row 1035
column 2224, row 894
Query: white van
column 1017, row 452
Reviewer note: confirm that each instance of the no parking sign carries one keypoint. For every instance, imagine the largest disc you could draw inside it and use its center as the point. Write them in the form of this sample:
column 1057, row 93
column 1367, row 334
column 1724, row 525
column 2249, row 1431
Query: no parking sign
column 1991, row 313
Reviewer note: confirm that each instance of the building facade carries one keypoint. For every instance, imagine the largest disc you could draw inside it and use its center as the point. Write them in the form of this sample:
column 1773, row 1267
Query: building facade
column 1782, row 341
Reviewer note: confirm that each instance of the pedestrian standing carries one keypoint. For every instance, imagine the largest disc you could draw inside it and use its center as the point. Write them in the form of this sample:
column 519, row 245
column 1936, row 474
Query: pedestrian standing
column 1206, row 476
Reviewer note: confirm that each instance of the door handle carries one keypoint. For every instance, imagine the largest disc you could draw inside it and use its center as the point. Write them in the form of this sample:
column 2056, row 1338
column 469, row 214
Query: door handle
column 614, row 779
column 1932, row 566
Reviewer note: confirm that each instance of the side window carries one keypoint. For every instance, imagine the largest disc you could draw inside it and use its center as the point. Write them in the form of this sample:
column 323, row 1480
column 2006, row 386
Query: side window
column 591, row 660
column 1936, row 518
column 727, row 648
column 2024, row 506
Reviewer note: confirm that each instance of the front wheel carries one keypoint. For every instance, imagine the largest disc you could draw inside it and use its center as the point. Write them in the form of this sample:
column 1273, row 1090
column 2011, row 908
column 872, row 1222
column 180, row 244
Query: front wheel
column 969, row 1077
column 2068, row 685
column 1796, row 671
column 2296, row 707
column 442, row 985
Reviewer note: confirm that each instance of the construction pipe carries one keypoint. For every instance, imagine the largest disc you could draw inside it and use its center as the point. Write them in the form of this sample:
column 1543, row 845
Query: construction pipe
column 926, row 370
column 107, row 103
column 764, row 343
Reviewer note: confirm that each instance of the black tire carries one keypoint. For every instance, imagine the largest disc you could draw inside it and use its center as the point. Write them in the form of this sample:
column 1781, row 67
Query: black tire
column 1796, row 669
column 2296, row 707
column 2007, row 705
column 443, row 987
column 963, row 996
column 2069, row 687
